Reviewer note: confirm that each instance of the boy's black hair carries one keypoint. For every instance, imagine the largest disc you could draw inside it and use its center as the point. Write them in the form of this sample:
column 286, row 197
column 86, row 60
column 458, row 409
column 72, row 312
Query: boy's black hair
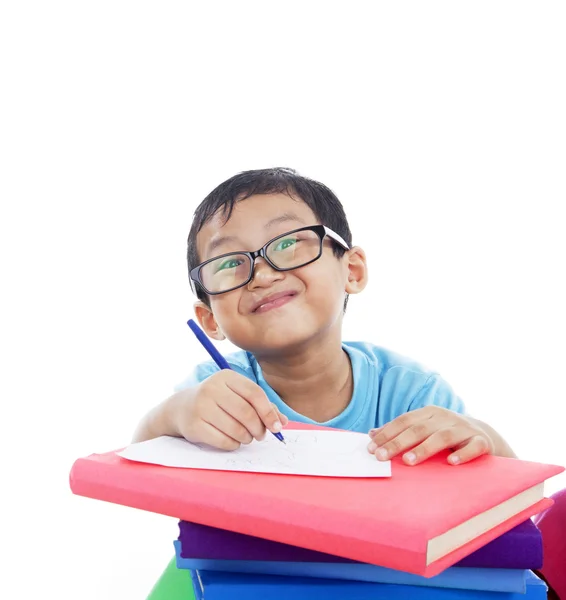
column 319, row 198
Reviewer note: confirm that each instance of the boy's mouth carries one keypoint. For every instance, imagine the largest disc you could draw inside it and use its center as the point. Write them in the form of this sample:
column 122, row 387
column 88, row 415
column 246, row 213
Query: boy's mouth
column 272, row 301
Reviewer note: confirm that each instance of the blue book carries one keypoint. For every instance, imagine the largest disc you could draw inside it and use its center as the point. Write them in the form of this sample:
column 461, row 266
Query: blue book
column 495, row 580
column 216, row 585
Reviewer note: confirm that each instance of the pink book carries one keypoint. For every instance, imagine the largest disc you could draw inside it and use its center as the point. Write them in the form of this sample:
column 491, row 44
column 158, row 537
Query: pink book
column 421, row 520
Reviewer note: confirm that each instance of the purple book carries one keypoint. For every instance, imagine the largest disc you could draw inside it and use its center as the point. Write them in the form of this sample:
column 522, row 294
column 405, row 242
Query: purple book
column 519, row 548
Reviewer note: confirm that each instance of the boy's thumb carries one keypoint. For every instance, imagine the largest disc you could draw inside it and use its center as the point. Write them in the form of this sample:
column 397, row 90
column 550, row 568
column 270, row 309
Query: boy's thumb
column 283, row 418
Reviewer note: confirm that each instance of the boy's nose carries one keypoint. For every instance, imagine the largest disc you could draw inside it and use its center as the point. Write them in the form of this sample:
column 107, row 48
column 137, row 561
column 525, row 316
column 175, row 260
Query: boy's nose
column 264, row 275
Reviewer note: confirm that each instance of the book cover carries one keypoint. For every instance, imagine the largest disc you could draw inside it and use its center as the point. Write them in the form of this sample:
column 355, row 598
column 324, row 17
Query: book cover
column 401, row 522
column 212, row 585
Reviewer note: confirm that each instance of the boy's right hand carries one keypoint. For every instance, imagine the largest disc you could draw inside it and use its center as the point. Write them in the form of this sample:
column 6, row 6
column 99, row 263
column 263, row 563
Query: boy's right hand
column 225, row 411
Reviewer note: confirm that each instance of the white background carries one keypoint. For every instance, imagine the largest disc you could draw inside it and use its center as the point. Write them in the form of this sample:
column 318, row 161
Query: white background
column 441, row 127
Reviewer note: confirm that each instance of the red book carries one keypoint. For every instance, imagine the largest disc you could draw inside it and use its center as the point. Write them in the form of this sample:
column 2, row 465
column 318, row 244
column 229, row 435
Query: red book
column 421, row 520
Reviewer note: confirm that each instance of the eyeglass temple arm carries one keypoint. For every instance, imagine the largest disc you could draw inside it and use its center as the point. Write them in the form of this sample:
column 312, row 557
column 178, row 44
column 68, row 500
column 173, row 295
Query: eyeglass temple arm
column 336, row 237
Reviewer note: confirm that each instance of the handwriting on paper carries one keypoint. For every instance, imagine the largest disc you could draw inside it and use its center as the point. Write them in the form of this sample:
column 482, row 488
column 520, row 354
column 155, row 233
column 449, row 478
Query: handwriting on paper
column 306, row 452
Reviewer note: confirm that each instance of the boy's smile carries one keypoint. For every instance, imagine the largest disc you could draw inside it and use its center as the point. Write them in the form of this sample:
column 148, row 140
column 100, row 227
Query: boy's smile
column 275, row 310
column 272, row 301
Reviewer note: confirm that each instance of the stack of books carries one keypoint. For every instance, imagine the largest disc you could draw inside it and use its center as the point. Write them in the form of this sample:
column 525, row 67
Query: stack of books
column 224, row 564
column 429, row 531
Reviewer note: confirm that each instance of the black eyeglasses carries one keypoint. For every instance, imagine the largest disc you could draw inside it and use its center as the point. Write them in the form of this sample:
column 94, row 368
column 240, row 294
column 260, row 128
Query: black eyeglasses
column 288, row 251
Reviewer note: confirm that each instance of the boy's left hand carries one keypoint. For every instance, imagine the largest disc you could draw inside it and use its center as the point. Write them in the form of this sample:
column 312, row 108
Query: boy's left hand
column 427, row 431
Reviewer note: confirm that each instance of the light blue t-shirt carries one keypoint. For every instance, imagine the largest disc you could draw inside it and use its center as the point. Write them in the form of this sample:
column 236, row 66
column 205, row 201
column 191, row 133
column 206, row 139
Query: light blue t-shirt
column 386, row 385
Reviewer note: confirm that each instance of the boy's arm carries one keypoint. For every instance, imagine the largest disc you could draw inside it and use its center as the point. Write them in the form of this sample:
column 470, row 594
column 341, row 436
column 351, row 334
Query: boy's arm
column 160, row 420
column 500, row 446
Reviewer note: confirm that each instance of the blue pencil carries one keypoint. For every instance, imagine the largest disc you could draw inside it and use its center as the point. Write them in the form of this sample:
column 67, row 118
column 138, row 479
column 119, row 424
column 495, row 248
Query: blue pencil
column 217, row 357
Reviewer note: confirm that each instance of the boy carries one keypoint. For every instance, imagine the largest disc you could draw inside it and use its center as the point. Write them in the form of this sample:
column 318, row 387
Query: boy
column 283, row 305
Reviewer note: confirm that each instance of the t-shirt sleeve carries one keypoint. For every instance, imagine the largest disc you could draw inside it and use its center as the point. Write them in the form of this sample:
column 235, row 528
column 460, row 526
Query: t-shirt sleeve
column 437, row 392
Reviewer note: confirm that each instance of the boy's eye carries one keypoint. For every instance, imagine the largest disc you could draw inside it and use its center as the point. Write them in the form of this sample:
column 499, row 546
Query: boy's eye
column 230, row 263
column 285, row 243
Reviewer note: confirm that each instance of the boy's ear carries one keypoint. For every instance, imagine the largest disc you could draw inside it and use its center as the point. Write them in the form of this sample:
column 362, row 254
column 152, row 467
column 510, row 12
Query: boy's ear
column 355, row 260
column 206, row 319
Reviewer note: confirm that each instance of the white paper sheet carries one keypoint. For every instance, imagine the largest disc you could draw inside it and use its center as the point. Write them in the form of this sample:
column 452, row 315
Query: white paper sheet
column 306, row 452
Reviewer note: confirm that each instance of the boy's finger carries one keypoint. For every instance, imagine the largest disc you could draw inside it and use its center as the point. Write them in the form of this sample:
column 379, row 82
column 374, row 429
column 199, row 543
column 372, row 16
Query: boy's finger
column 476, row 446
column 394, row 428
column 214, row 437
column 408, row 438
column 435, row 443
column 372, row 432
column 230, row 426
column 256, row 397
column 283, row 418
column 240, row 410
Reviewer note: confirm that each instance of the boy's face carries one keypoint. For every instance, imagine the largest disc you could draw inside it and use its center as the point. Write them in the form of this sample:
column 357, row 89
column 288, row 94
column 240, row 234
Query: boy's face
column 309, row 301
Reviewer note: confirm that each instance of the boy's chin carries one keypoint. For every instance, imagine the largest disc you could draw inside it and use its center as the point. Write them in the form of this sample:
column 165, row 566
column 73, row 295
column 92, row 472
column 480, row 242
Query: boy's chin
column 282, row 337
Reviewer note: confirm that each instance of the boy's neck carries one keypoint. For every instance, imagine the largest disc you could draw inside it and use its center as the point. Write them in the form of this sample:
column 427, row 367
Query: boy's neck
column 316, row 381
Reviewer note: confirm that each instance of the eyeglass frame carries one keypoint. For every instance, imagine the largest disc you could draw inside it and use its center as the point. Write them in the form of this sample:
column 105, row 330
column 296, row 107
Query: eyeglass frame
column 321, row 230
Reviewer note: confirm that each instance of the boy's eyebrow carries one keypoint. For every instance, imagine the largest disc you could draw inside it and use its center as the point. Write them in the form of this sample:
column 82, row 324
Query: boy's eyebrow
column 287, row 216
column 220, row 241
column 215, row 243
